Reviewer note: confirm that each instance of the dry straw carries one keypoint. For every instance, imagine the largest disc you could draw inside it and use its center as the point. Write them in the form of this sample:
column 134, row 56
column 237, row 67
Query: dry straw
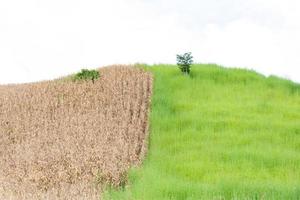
column 65, row 140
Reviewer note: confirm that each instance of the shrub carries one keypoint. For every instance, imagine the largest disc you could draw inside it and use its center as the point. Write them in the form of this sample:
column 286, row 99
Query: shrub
column 184, row 62
column 86, row 74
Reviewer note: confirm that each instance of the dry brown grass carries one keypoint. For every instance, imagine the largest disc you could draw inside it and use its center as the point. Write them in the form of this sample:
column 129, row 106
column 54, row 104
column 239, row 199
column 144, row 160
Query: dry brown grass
column 64, row 140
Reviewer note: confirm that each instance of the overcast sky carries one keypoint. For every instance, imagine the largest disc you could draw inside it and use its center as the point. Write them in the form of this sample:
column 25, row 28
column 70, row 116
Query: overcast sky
column 43, row 39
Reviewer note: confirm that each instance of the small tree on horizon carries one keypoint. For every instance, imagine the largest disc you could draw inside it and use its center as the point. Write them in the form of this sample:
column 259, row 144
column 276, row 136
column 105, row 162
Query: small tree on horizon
column 184, row 62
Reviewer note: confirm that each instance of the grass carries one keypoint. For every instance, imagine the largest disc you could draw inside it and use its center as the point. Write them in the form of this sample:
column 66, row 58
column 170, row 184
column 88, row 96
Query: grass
column 219, row 134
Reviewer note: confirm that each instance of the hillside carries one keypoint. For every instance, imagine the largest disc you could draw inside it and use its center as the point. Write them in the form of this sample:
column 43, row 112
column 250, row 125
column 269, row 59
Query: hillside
column 219, row 134
column 64, row 139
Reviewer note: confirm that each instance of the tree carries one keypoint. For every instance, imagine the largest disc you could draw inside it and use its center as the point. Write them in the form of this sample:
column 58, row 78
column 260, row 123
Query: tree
column 184, row 62
column 86, row 74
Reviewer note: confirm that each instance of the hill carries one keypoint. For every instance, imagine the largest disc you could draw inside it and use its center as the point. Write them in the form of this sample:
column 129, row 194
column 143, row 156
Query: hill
column 219, row 134
column 64, row 140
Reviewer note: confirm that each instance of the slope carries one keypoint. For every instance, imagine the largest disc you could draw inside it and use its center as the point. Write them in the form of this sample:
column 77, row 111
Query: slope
column 219, row 134
column 64, row 140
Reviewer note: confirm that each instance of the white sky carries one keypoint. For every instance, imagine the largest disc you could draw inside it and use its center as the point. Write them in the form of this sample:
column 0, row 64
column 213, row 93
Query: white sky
column 45, row 39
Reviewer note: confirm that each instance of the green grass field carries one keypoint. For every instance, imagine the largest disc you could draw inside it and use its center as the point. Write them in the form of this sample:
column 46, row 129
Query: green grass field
column 219, row 134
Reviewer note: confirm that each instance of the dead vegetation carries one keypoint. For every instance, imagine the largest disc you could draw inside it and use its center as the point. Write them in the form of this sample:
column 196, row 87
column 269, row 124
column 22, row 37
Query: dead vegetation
column 64, row 139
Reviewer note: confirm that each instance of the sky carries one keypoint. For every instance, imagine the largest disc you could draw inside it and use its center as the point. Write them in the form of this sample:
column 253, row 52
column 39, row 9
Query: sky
column 42, row 39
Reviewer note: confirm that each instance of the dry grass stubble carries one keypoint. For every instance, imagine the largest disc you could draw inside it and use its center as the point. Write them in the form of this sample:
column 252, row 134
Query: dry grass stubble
column 64, row 140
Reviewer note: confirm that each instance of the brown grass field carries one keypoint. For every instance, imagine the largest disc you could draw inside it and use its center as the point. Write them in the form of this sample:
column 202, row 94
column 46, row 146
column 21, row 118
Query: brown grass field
column 65, row 140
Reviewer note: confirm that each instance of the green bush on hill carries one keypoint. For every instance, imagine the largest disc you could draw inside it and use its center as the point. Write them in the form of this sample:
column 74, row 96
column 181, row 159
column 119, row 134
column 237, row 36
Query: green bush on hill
column 86, row 74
